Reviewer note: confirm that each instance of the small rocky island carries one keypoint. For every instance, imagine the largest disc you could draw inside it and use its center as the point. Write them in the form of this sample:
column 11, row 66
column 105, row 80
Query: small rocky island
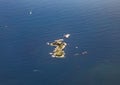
column 60, row 45
column 58, row 52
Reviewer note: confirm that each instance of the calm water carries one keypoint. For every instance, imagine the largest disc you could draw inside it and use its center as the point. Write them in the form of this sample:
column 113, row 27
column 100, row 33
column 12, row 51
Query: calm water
column 26, row 26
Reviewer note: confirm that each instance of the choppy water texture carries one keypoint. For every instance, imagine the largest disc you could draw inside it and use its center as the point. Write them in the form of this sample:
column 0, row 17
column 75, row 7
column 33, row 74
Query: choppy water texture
column 93, row 50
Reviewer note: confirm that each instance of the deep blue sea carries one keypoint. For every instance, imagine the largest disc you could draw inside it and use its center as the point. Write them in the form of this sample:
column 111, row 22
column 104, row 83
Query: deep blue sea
column 27, row 25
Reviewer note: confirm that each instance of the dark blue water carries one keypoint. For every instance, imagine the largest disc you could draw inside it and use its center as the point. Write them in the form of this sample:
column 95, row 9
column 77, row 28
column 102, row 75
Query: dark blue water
column 94, row 26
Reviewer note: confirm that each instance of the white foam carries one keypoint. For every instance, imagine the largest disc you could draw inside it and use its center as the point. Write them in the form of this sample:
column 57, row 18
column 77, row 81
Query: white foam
column 67, row 35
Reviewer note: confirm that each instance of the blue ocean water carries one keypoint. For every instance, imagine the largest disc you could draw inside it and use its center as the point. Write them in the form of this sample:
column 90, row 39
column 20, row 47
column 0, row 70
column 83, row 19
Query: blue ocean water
column 27, row 25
